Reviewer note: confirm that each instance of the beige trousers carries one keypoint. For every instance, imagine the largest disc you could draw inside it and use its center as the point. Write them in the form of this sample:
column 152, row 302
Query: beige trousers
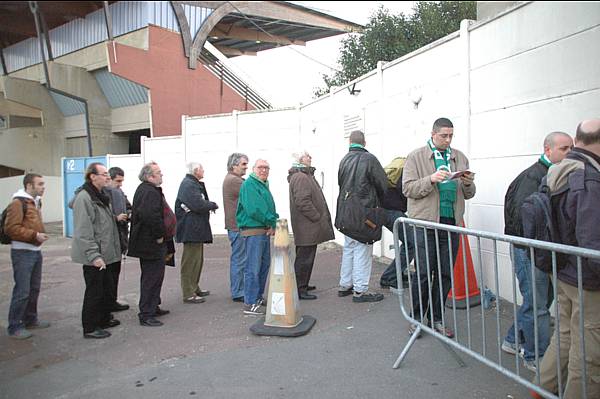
column 191, row 267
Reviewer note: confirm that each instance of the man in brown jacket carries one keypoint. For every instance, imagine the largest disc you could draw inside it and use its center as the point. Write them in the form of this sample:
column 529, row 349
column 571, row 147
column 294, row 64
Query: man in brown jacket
column 237, row 164
column 434, row 196
column 311, row 220
column 24, row 226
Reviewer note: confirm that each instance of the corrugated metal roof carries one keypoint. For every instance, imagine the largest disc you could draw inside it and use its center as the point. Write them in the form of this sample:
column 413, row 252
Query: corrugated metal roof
column 120, row 92
column 68, row 106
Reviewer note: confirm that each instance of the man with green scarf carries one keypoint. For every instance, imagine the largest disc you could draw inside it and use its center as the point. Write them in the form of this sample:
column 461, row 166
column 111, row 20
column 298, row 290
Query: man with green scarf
column 556, row 147
column 432, row 196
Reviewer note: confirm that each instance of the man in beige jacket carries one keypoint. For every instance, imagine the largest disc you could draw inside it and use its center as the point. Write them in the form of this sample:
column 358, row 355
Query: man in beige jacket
column 435, row 196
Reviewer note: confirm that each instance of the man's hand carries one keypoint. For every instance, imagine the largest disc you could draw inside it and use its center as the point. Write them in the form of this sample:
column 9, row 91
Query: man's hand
column 99, row 263
column 122, row 217
column 467, row 179
column 160, row 240
column 41, row 237
column 439, row 176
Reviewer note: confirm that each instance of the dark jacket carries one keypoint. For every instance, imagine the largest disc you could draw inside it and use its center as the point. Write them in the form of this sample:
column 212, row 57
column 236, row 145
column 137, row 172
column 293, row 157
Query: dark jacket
column 193, row 223
column 368, row 180
column 147, row 223
column 577, row 213
column 393, row 198
column 120, row 204
column 311, row 220
column 520, row 188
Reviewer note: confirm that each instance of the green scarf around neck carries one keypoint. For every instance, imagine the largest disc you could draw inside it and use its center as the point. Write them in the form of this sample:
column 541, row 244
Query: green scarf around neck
column 446, row 188
column 544, row 159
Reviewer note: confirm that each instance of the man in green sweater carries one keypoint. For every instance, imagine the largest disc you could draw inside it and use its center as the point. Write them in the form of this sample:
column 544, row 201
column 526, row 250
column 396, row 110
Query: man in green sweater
column 256, row 217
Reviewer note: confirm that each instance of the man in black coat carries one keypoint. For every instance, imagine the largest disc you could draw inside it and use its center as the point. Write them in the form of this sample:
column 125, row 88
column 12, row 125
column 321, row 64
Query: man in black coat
column 556, row 147
column 359, row 173
column 193, row 208
column 148, row 241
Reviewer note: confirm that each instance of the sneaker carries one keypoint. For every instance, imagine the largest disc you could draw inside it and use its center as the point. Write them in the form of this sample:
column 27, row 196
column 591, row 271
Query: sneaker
column 262, row 302
column 200, row 292
column 509, row 348
column 367, row 297
column 411, row 330
column 21, row 333
column 446, row 331
column 38, row 325
column 194, row 299
column 345, row 291
column 530, row 365
column 253, row 309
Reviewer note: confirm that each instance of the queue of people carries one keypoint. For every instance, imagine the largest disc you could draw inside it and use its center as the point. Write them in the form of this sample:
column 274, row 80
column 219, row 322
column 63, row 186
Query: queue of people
column 102, row 215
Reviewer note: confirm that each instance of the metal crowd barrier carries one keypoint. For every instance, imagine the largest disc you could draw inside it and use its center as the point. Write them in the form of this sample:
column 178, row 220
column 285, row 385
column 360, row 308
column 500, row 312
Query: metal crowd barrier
column 479, row 350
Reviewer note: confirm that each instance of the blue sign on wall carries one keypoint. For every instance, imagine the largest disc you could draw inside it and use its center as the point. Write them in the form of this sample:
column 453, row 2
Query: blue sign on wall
column 73, row 177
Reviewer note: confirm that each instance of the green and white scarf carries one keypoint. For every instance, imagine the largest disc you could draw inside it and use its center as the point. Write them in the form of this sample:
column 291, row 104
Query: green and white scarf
column 446, row 188
column 544, row 159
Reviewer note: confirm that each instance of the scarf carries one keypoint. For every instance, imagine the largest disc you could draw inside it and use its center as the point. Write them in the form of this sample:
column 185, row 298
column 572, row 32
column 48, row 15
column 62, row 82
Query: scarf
column 97, row 196
column 446, row 188
column 354, row 145
column 544, row 159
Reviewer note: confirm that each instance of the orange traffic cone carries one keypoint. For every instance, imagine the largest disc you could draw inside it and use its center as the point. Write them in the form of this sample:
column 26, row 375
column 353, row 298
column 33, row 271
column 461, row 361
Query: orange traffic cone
column 460, row 285
column 283, row 309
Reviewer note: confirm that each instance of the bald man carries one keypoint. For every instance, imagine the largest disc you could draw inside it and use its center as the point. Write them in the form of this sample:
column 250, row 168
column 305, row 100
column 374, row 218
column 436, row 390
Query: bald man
column 577, row 217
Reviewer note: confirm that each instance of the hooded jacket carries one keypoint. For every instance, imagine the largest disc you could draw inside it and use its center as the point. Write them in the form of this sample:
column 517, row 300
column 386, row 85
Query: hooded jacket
column 577, row 213
column 23, row 229
column 311, row 220
column 95, row 232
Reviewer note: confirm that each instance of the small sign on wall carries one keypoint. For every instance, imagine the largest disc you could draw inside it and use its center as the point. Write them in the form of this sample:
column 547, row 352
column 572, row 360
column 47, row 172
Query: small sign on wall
column 354, row 121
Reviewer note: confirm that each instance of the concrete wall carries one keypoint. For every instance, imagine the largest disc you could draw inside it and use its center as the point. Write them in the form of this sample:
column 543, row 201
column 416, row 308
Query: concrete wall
column 52, row 210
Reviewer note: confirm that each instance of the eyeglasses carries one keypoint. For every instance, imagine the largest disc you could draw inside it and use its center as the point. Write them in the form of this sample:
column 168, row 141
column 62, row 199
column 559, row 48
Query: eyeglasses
column 263, row 167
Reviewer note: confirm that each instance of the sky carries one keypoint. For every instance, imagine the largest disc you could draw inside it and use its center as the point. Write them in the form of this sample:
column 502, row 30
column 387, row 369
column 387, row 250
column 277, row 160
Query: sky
column 287, row 78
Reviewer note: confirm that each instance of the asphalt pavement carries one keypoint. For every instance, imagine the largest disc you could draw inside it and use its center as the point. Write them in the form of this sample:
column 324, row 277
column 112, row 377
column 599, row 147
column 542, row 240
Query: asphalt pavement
column 206, row 350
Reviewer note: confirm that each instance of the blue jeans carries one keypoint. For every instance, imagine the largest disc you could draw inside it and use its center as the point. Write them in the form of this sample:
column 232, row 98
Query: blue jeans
column 525, row 314
column 27, row 272
column 237, row 263
column 258, row 258
column 356, row 265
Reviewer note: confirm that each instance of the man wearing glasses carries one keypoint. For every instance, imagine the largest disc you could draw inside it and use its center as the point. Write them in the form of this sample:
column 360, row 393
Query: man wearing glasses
column 96, row 246
column 434, row 196
column 256, row 218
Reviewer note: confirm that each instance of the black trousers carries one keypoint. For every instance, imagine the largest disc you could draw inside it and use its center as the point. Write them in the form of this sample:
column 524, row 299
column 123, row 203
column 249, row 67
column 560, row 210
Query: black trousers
column 438, row 301
column 305, row 259
column 96, row 299
column 114, row 270
column 153, row 274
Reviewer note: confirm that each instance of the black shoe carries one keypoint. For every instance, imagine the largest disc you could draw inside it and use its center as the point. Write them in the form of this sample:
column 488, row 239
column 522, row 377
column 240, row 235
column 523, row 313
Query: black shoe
column 311, row 288
column 151, row 322
column 306, row 295
column 345, row 292
column 238, row 299
column 118, row 307
column 111, row 323
column 98, row 333
column 161, row 312
column 388, row 284
column 367, row 297
column 202, row 293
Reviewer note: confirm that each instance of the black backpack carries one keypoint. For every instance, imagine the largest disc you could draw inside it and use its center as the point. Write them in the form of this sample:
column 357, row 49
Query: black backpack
column 5, row 238
column 538, row 224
